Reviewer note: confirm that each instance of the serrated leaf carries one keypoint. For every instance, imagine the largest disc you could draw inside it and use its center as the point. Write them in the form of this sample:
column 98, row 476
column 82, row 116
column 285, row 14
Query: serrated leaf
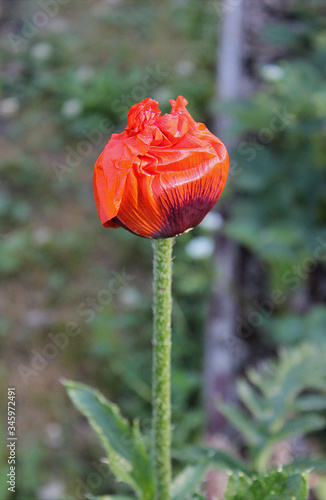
column 242, row 423
column 256, row 379
column 212, row 456
column 301, row 425
column 128, row 458
column 186, row 483
column 274, row 486
column 310, row 403
column 279, row 402
column 306, row 464
column 253, row 401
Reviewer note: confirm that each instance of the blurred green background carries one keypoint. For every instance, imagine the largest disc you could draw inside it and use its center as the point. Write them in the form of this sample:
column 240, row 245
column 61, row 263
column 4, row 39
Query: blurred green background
column 70, row 70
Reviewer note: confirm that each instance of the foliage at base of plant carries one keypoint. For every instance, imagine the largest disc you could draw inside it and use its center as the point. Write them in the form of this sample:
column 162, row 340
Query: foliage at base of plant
column 276, row 485
column 284, row 398
column 126, row 453
column 127, row 456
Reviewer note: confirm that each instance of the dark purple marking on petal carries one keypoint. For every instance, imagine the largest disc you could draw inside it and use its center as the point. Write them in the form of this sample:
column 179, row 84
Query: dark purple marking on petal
column 182, row 214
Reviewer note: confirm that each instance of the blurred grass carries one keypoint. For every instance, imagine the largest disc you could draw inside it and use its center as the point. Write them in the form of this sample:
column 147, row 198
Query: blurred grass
column 81, row 68
column 91, row 62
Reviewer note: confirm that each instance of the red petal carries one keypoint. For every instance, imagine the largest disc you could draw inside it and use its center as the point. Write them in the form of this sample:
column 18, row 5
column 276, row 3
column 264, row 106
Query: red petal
column 162, row 175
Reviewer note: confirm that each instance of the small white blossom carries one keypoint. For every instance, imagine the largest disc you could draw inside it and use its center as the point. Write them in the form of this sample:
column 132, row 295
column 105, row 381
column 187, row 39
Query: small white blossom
column 130, row 297
column 272, row 72
column 9, row 106
column 72, row 107
column 185, row 67
column 85, row 73
column 212, row 222
column 53, row 435
column 58, row 25
column 101, row 8
column 200, row 247
column 41, row 235
column 51, row 491
column 163, row 95
column 41, row 51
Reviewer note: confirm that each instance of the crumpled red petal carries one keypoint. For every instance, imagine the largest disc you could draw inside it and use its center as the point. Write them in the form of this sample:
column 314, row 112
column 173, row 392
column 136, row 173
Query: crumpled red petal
column 162, row 175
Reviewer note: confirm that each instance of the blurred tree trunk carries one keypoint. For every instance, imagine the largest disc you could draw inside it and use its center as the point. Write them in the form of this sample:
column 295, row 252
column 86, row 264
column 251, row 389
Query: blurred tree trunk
column 221, row 362
column 241, row 49
column 221, row 365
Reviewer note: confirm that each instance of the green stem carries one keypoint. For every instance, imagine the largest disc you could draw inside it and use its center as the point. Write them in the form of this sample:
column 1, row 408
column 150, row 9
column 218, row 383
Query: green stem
column 162, row 368
column 262, row 458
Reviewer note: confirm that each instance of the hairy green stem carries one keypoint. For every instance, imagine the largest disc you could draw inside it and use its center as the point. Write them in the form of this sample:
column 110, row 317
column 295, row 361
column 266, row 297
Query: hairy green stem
column 162, row 368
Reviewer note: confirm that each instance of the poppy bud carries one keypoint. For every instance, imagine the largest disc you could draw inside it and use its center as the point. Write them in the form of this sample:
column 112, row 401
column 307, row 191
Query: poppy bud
column 162, row 175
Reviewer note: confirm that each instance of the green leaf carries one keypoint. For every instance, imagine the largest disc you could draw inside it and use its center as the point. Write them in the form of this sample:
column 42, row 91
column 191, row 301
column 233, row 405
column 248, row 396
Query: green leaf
column 306, row 464
column 257, row 380
column 253, row 401
column 187, row 481
column 126, row 452
column 310, row 403
column 274, row 486
column 214, row 457
column 242, row 423
column 299, row 426
column 279, row 401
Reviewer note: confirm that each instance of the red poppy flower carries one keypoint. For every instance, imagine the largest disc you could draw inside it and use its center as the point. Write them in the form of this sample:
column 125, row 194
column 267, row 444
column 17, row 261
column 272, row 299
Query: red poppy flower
column 162, row 175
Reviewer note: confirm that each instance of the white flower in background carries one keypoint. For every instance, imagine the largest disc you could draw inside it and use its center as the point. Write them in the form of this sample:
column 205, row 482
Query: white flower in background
column 72, row 107
column 41, row 235
column 41, row 51
column 212, row 222
column 58, row 25
column 9, row 106
column 85, row 73
column 185, row 67
column 51, row 491
column 38, row 318
column 130, row 297
column 200, row 247
column 54, row 435
column 101, row 8
column 272, row 72
column 163, row 95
